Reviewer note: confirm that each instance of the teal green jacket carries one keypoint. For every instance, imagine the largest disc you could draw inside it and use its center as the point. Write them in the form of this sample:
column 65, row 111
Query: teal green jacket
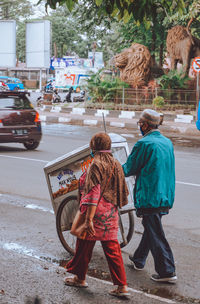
column 152, row 162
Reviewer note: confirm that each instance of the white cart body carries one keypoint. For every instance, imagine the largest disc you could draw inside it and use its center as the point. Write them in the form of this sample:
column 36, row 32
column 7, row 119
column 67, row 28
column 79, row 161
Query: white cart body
column 63, row 173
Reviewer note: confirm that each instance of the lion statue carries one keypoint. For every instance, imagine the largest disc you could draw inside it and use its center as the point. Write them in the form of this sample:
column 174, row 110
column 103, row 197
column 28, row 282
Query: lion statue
column 182, row 47
column 134, row 64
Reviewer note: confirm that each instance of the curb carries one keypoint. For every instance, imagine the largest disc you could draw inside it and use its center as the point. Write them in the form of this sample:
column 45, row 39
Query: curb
column 174, row 123
column 113, row 113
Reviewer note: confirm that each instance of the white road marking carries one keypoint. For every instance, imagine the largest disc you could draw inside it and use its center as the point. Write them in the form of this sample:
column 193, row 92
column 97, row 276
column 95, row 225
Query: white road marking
column 30, row 253
column 188, row 184
column 128, row 135
column 24, row 158
column 46, row 161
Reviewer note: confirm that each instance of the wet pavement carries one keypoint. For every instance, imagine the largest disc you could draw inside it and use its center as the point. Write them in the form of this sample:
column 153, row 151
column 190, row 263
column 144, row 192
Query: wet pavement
column 31, row 255
column 33, row 259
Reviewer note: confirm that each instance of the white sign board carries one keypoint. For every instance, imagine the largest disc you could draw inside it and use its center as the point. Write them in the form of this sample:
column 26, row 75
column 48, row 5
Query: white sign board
column 8, row 43
column 196, row 64
column 38, row 44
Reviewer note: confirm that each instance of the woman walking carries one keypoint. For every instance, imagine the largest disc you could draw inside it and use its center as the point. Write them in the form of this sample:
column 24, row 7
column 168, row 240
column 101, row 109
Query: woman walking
column 102, row 190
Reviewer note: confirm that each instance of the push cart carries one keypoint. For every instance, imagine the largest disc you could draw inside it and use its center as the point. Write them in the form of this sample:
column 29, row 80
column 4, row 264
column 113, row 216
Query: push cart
column 62, row 175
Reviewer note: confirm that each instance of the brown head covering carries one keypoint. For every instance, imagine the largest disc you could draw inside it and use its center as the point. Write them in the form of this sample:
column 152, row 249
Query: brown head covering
column 103, row 166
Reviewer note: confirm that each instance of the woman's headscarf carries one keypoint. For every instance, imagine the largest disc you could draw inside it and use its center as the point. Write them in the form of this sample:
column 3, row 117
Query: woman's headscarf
column 102, row 168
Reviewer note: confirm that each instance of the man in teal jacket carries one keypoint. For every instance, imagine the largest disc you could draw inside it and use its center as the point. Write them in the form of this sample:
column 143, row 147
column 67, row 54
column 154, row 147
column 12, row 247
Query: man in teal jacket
column 152, row 163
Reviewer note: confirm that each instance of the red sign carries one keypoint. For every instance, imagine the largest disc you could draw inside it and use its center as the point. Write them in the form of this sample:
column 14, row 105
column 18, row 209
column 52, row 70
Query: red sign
column 196, row 64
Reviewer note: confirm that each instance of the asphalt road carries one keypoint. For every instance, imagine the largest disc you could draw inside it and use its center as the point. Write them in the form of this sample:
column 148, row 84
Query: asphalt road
column 30, row 250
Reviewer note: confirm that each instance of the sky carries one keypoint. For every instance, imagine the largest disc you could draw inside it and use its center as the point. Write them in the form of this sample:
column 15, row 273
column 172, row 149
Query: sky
column 39, row 10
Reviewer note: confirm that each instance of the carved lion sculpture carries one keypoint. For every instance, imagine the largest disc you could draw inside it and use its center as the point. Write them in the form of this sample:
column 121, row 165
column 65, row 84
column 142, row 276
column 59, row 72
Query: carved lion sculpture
column 134, row 64
column 182, row 46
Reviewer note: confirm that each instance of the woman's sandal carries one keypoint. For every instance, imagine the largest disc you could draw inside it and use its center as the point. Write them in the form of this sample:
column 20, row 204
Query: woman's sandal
column 118, row 293
column 73, row 281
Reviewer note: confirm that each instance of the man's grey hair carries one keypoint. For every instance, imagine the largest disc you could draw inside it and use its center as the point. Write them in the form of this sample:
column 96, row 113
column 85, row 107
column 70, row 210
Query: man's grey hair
column 151, row 116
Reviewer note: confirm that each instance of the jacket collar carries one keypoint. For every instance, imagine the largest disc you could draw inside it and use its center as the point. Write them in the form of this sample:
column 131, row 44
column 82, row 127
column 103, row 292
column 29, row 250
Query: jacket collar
column 151, row 131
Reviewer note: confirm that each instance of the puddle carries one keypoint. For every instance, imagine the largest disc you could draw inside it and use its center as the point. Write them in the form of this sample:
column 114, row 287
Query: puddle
column 168, row 294
column 19, row 249
column 28, row 252
column 162, row 292
column 23, row 203
column 102, row 275
column 159, row 292
column 36, row 207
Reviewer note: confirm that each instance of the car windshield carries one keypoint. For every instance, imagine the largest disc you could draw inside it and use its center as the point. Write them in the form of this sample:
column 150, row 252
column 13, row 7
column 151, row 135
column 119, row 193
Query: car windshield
column 14, row 103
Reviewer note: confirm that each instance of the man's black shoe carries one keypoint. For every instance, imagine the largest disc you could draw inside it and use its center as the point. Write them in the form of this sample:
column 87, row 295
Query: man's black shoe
column 134, row 266
column 170, row 278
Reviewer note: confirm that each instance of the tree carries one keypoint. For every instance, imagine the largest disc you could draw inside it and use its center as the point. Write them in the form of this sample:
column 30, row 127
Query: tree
column 15, row 9
column 150, row 13
column 123, row 9
column 67, row 36
column 21, row 41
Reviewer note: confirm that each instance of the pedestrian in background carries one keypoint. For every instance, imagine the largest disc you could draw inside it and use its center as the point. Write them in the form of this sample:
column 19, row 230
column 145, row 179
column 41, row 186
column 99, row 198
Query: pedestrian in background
column 102, row 190
column 152, row 163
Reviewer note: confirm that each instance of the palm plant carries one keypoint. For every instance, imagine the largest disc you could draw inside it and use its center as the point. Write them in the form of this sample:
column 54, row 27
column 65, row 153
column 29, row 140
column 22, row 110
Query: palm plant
column 104, row 88
column 173, row 80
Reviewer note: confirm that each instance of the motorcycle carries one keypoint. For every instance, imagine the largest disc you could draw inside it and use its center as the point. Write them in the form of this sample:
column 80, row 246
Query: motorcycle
column 56, row 97
column 68, row 96
column 80, row 98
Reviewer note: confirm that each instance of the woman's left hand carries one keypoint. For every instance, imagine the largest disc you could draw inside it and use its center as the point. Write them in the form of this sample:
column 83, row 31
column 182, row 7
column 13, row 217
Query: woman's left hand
column 89, row 227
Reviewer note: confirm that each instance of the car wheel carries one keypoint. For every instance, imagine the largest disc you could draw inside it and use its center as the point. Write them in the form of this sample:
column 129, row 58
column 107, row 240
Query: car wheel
column 31, row 144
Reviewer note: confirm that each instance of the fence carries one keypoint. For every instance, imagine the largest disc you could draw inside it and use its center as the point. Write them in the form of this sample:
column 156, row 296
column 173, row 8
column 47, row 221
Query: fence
column 130, row 96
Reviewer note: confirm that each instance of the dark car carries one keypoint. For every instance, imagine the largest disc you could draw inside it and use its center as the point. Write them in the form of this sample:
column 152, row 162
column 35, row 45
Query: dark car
column 19, row 121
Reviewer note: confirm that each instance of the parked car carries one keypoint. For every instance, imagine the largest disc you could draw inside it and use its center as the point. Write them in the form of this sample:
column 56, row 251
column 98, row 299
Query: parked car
column 19, row 121
column 14, row 84
column 3, row 86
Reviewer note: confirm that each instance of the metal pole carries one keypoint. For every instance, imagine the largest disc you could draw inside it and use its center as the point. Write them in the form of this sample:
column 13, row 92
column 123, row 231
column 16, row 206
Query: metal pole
column 123, row 95
column 197, row 93
column 40, row 79
column 104, row 123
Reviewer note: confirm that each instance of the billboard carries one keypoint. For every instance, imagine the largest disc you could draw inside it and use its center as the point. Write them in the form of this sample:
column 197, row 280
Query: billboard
column 70, row 62
column 38, row 44
column 97, row 58
column 8, row 43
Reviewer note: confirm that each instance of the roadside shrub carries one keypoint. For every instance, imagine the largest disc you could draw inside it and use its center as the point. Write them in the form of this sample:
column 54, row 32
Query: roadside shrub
column 103, row 88
column 158, row 101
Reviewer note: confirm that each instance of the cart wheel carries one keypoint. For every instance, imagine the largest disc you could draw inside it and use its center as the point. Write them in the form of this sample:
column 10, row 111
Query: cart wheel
column 67, row 239
column 126, row 227
column 125, row 233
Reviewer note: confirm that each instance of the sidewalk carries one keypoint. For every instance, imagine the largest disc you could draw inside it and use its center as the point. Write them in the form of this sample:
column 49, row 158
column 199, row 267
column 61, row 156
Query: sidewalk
column 172, row 123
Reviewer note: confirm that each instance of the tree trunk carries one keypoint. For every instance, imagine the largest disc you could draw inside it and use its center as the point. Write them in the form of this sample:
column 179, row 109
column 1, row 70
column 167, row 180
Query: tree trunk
column 153, row 44
column 61, row 48
column 55, row 52
column 161, row 54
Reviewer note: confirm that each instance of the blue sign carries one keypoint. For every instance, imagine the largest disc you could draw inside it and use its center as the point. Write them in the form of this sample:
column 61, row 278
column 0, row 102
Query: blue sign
column 198, row 117
column 65, row 62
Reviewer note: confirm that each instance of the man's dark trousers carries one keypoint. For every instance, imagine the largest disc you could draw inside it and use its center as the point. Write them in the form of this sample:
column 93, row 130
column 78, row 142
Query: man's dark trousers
column 153, row 239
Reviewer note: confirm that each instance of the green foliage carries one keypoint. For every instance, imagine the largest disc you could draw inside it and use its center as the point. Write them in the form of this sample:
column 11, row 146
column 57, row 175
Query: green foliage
column 158, row 101
column 124, row 9
column 103, row 88
column 15, row 9
column 143, row 18
column 21, row 41
column 65, row 35
column 173, row 80
column 192, row 10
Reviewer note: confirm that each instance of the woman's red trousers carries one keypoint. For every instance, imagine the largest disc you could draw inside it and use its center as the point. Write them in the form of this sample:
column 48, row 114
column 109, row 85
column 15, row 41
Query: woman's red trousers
column 79, row 263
